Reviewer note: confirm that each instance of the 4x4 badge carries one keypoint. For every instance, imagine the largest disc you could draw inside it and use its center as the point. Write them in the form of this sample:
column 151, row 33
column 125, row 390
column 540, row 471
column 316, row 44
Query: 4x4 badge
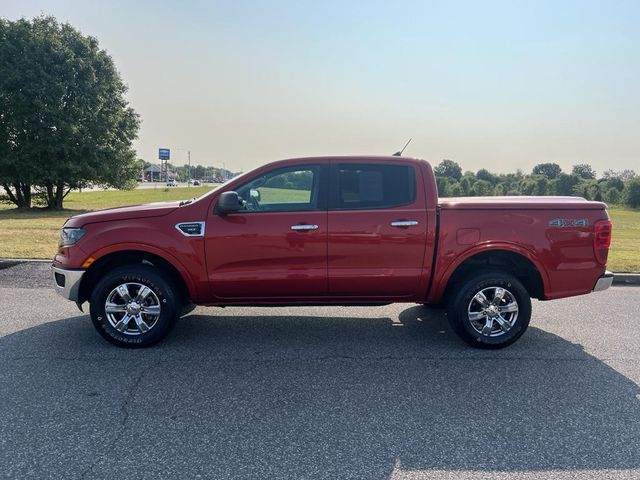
column 569, row 222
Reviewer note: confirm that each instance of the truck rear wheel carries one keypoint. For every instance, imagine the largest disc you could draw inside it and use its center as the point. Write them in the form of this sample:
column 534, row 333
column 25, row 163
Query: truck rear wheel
column 134, row 306
column 490, row 310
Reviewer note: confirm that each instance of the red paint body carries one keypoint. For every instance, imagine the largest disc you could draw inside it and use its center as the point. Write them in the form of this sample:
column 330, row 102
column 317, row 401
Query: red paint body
column 354, row 256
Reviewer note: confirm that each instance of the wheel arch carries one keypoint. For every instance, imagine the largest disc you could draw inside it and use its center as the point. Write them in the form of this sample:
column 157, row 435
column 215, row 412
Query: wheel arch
column 128, row 255
column 509, row 258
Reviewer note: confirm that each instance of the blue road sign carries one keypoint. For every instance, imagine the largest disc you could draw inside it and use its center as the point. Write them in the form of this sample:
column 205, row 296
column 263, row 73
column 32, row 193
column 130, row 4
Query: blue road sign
column 164, row 154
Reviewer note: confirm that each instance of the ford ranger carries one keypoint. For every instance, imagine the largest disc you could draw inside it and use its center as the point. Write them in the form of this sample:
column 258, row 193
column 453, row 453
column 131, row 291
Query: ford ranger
column 333, row 231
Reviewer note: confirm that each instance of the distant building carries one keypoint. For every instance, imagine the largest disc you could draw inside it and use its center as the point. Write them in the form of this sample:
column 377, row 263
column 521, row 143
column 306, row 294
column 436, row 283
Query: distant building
column 153, row 173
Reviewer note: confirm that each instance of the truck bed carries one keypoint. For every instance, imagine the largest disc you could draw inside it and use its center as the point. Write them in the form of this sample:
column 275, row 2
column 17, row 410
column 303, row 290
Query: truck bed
column 555, row 233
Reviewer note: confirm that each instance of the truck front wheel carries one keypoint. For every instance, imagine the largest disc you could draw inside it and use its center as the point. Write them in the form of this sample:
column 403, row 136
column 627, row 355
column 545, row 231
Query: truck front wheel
column 134, row 306
column 490, row 310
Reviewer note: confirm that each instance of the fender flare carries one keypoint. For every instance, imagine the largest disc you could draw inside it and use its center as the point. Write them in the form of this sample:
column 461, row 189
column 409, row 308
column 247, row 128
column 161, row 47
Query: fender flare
column 445, row 276
column 143, row 247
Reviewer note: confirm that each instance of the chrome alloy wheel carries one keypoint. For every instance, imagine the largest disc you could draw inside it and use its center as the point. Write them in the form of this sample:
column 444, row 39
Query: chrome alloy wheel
column 493, row 311
column 132, row 308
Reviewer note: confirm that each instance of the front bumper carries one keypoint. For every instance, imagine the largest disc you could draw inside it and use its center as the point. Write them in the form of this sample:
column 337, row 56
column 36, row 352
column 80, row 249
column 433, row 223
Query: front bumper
column 603, row 282
column 67, row 282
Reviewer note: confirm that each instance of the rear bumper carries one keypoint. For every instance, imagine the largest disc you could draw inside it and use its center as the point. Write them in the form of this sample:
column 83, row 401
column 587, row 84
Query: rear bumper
column 67, row 282
column 603, row 282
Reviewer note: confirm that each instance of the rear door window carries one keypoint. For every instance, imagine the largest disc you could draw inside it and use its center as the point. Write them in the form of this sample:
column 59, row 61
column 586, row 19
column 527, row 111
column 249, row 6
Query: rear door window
column 361, row 185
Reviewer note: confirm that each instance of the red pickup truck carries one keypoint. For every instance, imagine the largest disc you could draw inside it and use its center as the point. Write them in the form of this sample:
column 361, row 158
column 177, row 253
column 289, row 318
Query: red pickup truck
column 333, row 231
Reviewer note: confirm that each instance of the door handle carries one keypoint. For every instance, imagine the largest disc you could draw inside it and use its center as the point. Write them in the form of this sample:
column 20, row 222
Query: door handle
column 304, row 227
column 404, row 223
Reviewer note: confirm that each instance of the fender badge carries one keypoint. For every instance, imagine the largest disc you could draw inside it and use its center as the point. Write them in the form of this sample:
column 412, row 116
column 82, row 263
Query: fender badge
column 191, row 229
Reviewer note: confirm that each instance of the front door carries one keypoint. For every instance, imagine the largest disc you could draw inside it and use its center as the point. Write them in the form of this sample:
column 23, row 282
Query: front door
column 377, row 230
column 276, row 247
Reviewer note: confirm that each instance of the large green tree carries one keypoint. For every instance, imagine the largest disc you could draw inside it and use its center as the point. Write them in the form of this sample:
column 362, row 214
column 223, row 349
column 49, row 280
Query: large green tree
column 64, row 118
column 565, row 184
column 549, row 170
column 632, row 197
column 449, row 169
column 482, row 188
column 484, row 174
column 584, row 171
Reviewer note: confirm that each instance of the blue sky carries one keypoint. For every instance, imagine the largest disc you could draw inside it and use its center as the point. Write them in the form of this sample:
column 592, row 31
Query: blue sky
column 493, row 84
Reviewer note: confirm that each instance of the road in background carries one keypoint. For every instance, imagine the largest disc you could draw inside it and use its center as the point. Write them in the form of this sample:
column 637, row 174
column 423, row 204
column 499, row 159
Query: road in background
column 368, row 393
column 143, row 185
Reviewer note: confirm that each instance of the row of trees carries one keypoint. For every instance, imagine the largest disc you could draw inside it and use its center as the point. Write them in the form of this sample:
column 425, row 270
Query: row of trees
column 621, row 187
column 200, row 172
column 292, row 181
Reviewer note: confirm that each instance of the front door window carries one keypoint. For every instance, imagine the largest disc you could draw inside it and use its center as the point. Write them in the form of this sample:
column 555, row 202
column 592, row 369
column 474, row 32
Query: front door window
column 292, row 189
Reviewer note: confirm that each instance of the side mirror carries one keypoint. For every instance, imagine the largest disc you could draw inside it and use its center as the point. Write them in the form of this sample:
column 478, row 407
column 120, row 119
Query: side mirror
column 255, row 194
column 230, row 202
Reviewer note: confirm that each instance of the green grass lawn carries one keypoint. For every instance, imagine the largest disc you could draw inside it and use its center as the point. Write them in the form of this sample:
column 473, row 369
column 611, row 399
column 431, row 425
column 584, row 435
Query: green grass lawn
column 283, row 195
column 624, row 255
column 34, row 234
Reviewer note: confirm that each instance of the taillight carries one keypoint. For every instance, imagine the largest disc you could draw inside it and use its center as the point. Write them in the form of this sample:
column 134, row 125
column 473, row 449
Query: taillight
column 602, row 240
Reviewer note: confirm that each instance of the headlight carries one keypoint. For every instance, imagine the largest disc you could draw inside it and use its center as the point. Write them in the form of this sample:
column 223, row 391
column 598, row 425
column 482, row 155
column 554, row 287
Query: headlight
column 69, row 236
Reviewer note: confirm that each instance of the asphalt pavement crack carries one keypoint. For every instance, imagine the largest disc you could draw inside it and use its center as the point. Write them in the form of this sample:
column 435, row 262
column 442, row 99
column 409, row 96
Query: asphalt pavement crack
column 131, row 393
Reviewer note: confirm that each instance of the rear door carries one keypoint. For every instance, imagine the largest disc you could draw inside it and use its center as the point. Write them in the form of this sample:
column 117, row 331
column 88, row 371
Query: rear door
column 277, row 246
column 377, row 229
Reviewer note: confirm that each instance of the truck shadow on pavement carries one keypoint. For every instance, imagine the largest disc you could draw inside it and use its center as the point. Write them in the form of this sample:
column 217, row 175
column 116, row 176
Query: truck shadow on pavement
column 308, row 397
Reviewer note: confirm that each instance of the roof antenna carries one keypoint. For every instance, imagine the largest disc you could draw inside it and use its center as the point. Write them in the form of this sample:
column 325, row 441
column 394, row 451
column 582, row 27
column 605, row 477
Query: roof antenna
column 399, row 154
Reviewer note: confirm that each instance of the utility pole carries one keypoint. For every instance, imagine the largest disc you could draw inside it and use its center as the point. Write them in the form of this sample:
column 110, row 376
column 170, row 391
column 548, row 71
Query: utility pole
column 188, row 161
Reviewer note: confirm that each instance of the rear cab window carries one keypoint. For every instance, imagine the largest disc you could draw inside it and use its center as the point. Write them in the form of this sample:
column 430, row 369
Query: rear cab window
column 371, row 185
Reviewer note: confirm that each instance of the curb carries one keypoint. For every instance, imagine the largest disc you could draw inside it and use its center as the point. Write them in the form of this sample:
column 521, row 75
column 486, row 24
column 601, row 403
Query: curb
column 626, row 278
column 25, row 260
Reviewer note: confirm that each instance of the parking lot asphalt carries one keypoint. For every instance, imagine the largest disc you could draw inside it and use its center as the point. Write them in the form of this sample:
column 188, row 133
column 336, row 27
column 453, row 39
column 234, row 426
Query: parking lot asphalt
column 305, row 393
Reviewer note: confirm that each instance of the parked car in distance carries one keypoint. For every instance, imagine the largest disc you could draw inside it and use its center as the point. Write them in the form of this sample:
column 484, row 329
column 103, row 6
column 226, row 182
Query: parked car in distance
column 333, row 231
column 172, row 183
column 196, row 183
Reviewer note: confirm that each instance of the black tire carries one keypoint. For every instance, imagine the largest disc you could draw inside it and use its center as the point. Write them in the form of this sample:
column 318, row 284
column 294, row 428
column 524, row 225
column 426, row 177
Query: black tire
column 164, row 295
column 462, row 306
column 187, row 308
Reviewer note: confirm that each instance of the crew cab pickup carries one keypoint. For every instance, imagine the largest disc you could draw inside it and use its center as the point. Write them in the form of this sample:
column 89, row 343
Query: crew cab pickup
column 333, row 231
